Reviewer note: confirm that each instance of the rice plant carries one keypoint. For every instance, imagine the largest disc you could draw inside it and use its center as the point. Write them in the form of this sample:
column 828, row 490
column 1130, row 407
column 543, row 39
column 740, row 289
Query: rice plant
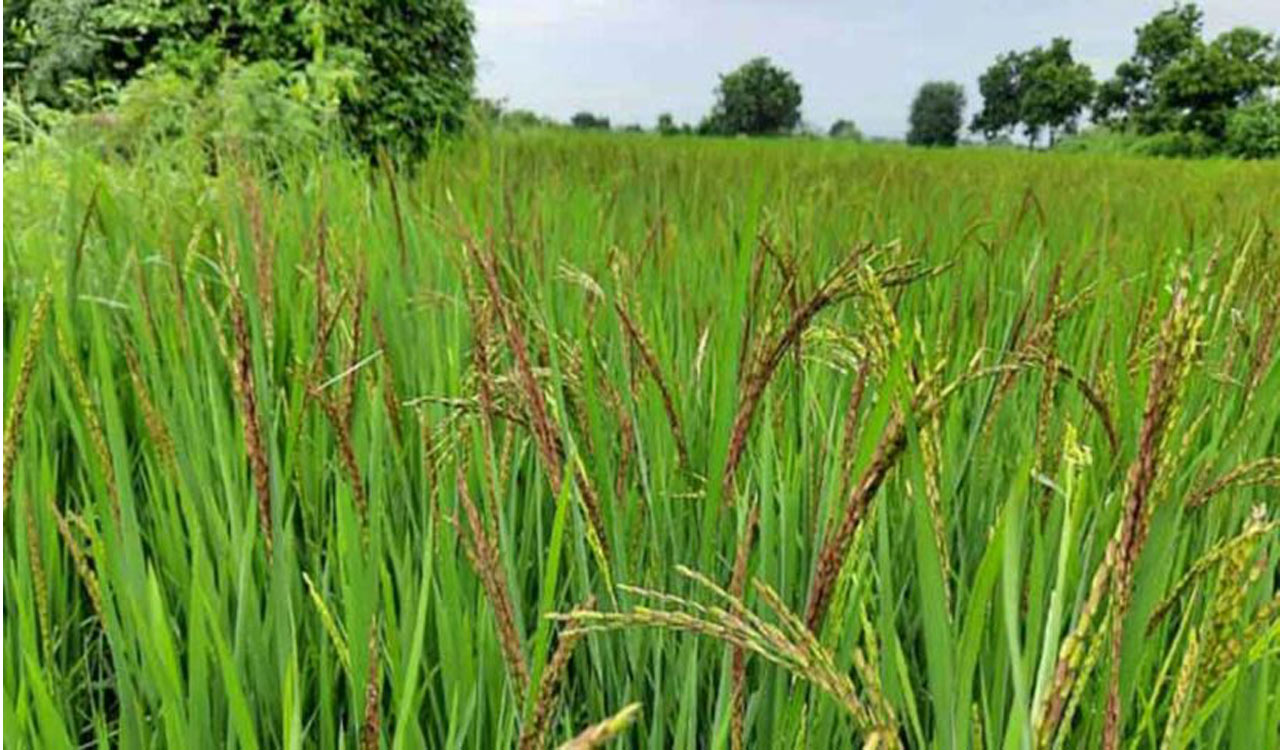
column 791, row 444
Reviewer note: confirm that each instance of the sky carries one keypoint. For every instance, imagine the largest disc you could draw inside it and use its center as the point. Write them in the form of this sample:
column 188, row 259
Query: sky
column 633, row 60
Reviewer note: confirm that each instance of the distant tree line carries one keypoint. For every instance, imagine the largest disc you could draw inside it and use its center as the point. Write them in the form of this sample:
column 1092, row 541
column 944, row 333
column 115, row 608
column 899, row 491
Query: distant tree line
column 392, row 73
column 1178, row 93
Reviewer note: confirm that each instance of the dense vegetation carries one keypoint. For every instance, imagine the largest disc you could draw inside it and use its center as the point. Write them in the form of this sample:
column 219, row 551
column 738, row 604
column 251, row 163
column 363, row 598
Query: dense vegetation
column 794, row 444
column 1176, row 95
column 288, row 76
column 384, row 73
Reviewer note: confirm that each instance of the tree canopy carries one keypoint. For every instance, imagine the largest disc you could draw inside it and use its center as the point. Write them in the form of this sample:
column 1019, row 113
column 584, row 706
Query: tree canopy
column 1041, row 89
column 937, row 114
column 588, row 121
column 413, row 59
column 759, row 98
column 1175, row 81
column 845, row 129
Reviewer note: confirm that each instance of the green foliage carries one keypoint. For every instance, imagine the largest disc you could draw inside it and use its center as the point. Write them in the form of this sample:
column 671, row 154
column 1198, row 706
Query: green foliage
column 1132, row 99
column 1176, row 144
column 937, row 114
column 413, row 58
column 588, row 121
column 493, row 114
column 1175, row 81
column 415, row 65
column 667, row 124
column 845, row 129
column 759, row 98
column 261, row 111
column 49, row 48
column 1054, row 90
column 1000, row 87
column 1041, row 89
column 1253, row 131
column 1205, row 84
column 1098, row 139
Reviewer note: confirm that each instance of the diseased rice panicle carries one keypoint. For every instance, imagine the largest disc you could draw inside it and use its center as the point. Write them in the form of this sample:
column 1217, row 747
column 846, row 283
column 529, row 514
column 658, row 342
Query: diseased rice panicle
column 737, row 586
column 831, row 558
column 487, row 561
column 39, row 581
column 597, row 735
column 259, row 467
column 371, row 722
column 18, row 400
column 651, row 365
column 88, row 578
column 534, row 735
column 89, row 410
column 1176, row 342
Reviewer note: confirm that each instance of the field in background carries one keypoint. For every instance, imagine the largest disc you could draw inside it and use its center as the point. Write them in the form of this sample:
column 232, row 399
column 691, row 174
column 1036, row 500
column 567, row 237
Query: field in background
column 807, row 444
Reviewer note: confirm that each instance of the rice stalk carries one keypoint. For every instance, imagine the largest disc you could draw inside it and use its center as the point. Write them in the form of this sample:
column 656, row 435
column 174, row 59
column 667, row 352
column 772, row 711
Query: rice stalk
column 81, row 562
column 1258, row 472
column 1177, row 341
column 371, row 723
column 39, row 584
column 22, row 388
column 737, row 585
column 97, row 437
column 330, row 624
column 487, row 562
column 597, row 735
column 654, row 369
column 255, row 446
column 547, row 699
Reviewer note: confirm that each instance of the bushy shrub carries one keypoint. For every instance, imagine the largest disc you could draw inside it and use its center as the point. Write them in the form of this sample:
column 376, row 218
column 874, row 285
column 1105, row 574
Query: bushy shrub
column 154, row 108
column 1253, row 131
column 1178, row 145
column 588, row 121
column 845, row 129
column 1099, row 140
column 394, row 71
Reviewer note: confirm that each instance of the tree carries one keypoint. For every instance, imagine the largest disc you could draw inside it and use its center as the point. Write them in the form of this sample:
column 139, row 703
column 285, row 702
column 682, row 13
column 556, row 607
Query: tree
column 667, row 124
column 1000, row 87
column 1041, row 88
column 1131, row 99
column 1208, row 81
column 1054, row 89
column 1177, row 82
column 587, row 121
column 758, row 98
column 414, row 61
column 845, row 129
column 937, row 114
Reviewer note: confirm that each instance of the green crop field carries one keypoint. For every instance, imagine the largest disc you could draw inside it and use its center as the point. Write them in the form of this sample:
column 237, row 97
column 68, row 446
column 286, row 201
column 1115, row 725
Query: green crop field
column 792, row 444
